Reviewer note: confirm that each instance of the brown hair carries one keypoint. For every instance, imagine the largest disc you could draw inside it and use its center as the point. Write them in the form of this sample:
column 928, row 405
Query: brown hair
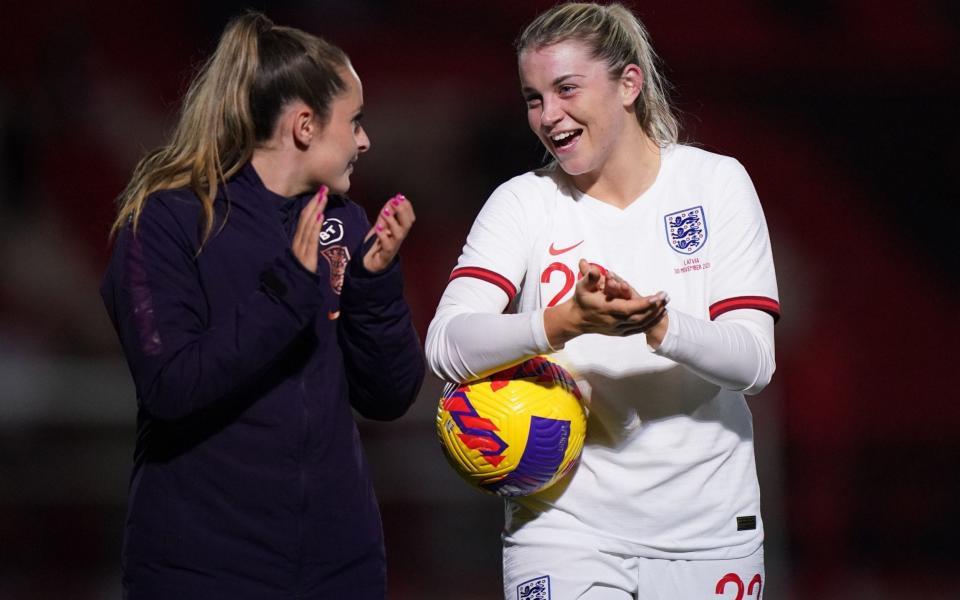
column 232, row 104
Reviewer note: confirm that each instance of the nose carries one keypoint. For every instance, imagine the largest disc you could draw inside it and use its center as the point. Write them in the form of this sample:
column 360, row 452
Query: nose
column 551, row 113
column 363, row 142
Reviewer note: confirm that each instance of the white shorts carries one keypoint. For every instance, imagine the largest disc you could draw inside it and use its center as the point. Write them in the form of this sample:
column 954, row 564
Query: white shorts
column 570, row 573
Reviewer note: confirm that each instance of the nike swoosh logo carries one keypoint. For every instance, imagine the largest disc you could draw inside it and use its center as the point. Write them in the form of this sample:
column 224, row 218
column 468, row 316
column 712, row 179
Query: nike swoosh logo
column 556, row 251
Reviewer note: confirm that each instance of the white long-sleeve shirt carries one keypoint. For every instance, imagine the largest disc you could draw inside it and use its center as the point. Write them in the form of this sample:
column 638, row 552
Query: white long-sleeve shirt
column 668, row 464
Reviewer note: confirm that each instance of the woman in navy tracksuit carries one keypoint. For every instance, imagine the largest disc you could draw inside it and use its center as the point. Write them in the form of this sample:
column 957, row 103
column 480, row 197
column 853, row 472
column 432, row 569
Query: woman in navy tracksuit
column 255, row 313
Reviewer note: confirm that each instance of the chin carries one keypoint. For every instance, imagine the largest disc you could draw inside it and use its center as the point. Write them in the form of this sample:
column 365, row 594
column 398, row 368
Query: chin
column 339, row 187
column 569, row 164
column 573, row 168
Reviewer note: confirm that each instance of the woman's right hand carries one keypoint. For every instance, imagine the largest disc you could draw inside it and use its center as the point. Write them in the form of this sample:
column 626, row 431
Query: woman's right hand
column 306, row 239
column 602, row 303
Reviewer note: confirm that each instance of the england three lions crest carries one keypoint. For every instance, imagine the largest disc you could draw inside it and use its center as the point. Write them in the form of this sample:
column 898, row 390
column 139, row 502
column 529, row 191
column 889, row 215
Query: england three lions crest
column 535, row 589
column 686, row 229
column 339, row 258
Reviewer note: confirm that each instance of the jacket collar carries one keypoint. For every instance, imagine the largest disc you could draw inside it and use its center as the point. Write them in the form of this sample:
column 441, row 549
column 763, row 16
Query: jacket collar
column 251, row 189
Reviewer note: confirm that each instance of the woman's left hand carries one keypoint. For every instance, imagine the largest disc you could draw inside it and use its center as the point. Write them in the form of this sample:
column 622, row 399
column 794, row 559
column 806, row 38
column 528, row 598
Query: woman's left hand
column 391, row 228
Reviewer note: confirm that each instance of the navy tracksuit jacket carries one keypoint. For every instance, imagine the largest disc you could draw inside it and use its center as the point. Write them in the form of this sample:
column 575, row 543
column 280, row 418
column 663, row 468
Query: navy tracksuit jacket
column 249, row 479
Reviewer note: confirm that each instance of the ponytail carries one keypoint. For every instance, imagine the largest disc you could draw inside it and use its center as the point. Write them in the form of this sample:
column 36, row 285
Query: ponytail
column 652, row 107
column 232, row 103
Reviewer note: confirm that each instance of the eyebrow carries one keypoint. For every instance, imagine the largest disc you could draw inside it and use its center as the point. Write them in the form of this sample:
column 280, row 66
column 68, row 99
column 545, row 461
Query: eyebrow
column 555, row 83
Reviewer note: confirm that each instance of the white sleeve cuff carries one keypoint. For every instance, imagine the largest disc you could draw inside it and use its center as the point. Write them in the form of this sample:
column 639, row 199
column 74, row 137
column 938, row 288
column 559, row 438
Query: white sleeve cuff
column 539, row 329
column 669, row 343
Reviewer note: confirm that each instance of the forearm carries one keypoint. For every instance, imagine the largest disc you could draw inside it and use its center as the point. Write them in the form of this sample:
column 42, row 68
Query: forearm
column 381, row 349
column 735, row 352
column 462, row 346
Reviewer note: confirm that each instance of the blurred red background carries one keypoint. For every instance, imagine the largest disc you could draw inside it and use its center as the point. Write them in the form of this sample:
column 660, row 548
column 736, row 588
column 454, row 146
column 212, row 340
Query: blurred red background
column 844, row 113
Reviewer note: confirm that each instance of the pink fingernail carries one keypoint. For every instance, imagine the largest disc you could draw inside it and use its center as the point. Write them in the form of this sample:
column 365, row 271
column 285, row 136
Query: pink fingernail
column 322, row 191
column 387, row 212
column 379, row 227
column 319, row 216
column 395, row 201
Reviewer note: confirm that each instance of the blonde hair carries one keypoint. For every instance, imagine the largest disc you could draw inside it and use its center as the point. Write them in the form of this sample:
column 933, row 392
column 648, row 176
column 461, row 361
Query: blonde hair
column 232, row 104
column 616, row 37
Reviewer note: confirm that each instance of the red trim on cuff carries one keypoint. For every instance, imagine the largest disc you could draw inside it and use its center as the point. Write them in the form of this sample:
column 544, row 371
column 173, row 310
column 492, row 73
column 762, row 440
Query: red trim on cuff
column 486, row 275
column 767, row 305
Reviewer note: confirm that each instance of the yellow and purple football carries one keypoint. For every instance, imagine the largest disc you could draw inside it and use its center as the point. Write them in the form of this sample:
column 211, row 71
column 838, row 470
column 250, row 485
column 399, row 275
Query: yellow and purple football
column 516, row 432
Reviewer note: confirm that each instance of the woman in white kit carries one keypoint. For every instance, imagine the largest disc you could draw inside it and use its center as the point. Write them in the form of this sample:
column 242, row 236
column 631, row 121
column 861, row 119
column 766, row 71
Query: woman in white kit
column 665, row 502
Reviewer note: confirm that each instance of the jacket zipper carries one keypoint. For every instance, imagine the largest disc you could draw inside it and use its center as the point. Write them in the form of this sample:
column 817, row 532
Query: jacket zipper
column 303, row 485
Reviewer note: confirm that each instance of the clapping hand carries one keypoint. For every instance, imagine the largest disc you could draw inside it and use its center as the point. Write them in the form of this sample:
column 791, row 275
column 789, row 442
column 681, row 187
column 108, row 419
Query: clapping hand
column 306, row 238
column 391, row 228
column 603, row 303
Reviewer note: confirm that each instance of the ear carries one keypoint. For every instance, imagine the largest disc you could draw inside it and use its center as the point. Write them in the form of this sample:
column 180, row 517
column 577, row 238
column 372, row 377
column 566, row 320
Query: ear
column 306, row 128
column 631, row 84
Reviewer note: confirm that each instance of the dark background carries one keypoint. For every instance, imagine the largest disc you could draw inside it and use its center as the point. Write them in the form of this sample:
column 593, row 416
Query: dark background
column 844, row 113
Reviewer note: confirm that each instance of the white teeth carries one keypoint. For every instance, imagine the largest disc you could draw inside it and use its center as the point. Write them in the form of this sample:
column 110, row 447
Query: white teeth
column 562, row 136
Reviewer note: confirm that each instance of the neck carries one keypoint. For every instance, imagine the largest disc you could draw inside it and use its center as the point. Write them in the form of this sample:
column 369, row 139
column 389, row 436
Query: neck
column 279, row 174
column 629, row 171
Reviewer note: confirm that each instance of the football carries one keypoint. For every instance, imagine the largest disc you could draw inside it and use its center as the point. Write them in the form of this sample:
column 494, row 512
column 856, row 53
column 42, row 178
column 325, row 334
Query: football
column 516, row 432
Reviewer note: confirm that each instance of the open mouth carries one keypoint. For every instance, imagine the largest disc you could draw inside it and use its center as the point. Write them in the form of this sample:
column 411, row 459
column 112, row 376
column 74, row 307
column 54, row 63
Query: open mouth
column 565, row 139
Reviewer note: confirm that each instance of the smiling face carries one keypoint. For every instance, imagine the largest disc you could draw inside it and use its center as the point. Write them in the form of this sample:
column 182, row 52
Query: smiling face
column 574, row 107
column 342, row 139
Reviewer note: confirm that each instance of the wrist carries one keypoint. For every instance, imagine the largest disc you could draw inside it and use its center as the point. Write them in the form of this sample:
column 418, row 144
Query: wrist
column 561, row 324
column 656, row 333
column 371, row 265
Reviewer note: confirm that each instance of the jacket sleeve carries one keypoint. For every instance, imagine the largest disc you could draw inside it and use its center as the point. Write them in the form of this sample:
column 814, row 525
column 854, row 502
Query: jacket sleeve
column 382, row 355
column 182, row 358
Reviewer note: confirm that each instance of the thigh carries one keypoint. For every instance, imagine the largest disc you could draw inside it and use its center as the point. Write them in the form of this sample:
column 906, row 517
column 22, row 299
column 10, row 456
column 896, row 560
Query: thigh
column 566, row 573
column 733, row 579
